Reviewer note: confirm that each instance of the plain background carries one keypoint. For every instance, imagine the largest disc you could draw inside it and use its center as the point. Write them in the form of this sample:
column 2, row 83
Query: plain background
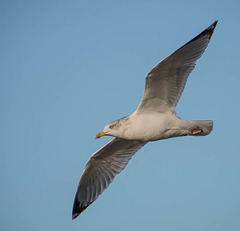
column 67, row 68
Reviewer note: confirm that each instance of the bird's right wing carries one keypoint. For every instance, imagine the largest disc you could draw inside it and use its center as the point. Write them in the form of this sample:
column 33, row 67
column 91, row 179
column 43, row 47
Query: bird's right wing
column 101, row 169
column 165, row 82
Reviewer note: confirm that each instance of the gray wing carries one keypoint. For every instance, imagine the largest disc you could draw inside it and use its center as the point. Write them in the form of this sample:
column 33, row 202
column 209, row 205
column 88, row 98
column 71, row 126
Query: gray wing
column 101, row 169
column 164, row 84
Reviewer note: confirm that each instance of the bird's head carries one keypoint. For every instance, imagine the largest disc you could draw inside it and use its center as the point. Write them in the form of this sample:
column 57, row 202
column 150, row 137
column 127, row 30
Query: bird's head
column 114, row 128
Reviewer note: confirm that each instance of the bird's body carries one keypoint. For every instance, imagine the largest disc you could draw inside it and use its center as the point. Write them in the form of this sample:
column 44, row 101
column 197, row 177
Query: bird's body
column 152, row 126
column 154, row 119
column 157, row 126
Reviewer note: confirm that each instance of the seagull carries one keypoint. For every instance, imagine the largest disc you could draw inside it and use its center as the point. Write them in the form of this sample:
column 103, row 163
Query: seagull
column 154, row 119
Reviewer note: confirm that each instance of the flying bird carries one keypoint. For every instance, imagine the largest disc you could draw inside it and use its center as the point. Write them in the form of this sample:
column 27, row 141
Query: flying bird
column 154, row 119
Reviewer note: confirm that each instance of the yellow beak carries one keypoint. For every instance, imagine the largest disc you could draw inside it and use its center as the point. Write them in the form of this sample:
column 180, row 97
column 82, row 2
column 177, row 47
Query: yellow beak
column 100, row 135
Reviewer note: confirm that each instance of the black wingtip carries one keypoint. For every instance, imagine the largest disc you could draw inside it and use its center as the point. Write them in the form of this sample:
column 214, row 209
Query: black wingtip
column 212, row 26
column 207, row 32
column 78, row 208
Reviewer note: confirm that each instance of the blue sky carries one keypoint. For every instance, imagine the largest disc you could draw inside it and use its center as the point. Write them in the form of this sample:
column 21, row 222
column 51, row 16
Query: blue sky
column 67, row 68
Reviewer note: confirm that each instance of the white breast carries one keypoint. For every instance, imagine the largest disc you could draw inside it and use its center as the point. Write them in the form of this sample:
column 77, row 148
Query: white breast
column 152, row 126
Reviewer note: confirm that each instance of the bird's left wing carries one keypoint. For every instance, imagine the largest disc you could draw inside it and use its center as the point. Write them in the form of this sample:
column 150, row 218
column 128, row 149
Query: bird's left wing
column 101, row 169
column 165, row 82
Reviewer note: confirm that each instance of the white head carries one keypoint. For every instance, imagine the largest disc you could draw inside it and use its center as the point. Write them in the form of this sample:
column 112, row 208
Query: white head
column 115, row 128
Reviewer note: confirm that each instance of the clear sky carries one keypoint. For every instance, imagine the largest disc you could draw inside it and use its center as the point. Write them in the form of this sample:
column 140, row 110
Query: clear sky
column 67, row 68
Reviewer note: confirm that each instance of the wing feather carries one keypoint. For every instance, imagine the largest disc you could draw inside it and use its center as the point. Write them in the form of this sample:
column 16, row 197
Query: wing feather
column 101, row 169
column 164, row 84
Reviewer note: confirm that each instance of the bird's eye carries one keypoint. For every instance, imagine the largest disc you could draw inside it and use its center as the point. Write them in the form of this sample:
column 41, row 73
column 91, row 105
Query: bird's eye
column 111, row 126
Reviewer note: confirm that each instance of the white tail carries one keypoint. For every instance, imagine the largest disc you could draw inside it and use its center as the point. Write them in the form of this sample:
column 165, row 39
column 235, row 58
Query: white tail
column 206, row 126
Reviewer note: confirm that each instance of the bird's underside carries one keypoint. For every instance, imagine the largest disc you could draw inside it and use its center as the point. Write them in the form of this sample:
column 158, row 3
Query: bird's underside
column 163, row 87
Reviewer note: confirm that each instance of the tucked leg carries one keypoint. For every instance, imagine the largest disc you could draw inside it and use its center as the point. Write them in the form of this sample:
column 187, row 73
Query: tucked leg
column 196, row 131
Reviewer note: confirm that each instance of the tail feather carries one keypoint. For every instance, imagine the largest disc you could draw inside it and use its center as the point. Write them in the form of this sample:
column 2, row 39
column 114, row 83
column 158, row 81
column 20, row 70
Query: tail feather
column 206, row 126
